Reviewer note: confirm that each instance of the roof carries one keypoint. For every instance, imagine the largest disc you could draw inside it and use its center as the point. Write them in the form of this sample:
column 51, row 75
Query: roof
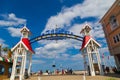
column 86, row 40
column 86, row 26
column 27, row 44
column 24, row 28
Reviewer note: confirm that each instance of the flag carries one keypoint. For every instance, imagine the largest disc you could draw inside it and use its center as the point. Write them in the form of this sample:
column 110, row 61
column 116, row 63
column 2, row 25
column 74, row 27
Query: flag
column 108, row 57
column 103, row 55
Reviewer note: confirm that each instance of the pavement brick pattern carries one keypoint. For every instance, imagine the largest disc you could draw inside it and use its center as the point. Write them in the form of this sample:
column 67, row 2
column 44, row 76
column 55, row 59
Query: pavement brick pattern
column 73, row 77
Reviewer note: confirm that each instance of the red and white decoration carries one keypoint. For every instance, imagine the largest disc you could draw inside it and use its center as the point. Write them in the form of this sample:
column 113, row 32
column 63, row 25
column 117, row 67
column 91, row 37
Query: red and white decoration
column 89, row 48
column 22, row 51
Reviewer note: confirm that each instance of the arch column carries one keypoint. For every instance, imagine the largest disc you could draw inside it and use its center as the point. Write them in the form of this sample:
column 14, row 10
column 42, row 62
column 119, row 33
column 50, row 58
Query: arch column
column 30, row 64
column 99, row 62
column 14, row 66
column 23, row 66
column 92, row 71
column 85, row 63
column 21, row 49
column 91, row 47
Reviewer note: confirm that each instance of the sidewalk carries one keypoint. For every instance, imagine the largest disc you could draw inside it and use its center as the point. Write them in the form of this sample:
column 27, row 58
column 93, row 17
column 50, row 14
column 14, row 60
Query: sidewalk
column 73, row 77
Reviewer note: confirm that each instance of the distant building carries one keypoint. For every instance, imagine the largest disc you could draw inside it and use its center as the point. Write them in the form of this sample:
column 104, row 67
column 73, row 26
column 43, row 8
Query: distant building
column 111, row 27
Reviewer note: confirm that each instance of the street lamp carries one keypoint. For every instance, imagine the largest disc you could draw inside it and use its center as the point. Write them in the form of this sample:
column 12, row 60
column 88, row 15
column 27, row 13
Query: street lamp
column 0, row 48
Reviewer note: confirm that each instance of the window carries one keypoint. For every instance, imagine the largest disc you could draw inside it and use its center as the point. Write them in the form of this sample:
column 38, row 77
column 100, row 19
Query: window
column 2, row 69
column 10, row 69
column 119, row 35
column 116, row 38
column 113, row 22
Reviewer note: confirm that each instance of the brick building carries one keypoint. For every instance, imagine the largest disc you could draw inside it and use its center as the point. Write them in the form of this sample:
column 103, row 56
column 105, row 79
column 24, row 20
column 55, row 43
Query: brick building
column 111, row 27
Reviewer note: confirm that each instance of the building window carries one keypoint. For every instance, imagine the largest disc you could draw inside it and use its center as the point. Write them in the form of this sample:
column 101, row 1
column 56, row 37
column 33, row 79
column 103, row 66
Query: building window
column 2, row 69
column 116, row 38
column 113, row 22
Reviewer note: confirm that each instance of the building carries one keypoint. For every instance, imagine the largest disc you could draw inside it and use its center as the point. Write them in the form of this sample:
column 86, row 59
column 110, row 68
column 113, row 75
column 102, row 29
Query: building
column 111, row 27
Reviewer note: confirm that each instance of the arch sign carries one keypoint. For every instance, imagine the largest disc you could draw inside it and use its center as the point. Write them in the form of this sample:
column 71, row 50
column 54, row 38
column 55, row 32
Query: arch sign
column 56, row 34
column 23, row 47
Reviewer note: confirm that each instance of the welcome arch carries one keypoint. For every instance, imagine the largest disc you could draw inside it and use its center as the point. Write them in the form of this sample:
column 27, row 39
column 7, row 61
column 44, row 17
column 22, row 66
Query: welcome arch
column 23, row 50
column 57, row 34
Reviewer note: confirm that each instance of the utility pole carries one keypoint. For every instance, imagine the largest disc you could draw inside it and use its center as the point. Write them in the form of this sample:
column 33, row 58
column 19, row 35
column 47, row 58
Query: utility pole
column 0, row 49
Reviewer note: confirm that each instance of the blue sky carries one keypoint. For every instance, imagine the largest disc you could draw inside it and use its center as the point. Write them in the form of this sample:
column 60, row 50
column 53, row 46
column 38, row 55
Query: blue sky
column 42, row 15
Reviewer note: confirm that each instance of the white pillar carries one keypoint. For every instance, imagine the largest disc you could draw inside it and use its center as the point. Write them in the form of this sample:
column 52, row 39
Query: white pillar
column 14, row 66
column 85, row 64
column 21, row 68
column 92, row 71
column 99, row 62
column 30, row 64
column 24, row 66
column 84, row 61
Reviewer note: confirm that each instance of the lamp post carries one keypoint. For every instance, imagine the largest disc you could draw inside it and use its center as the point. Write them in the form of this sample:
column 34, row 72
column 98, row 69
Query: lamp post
column 0, row 48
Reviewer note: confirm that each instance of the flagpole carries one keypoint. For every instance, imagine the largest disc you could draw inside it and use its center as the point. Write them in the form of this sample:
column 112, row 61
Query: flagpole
column 103, row 59
column 109, row 61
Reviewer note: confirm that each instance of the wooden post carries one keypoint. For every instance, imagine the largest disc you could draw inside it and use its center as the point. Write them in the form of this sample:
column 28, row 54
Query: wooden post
column 14, row 66
column 30, row 64
column 99, row 61
column 92, row 71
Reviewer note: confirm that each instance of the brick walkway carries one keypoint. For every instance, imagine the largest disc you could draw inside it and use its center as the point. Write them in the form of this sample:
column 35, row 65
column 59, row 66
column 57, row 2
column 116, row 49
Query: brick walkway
column 74, row 77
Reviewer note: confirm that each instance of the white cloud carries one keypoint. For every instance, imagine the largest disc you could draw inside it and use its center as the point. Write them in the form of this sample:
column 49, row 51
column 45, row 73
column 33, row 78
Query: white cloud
column 77, row 57
column 104, row 50
column 95, row 8
column 2, row 42
column 11, row 20
column 76, row 28
column 89, row 8
column 58, row 50
column 15, row 32
column 38, row 61
column 53, row 49
column 97, row 31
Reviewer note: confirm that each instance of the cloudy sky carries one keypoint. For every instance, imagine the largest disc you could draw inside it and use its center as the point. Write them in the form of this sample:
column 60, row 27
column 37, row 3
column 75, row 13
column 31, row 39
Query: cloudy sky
column 42, row 15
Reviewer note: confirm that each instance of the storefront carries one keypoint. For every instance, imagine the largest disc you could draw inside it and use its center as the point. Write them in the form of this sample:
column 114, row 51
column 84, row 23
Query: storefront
column 5, row 67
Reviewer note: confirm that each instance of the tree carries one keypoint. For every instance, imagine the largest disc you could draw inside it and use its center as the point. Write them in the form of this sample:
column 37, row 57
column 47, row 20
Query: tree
column 7, row 51
column 9, row 55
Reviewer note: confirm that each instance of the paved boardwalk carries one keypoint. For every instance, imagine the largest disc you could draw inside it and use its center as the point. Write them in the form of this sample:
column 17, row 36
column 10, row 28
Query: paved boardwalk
column 74, row 77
